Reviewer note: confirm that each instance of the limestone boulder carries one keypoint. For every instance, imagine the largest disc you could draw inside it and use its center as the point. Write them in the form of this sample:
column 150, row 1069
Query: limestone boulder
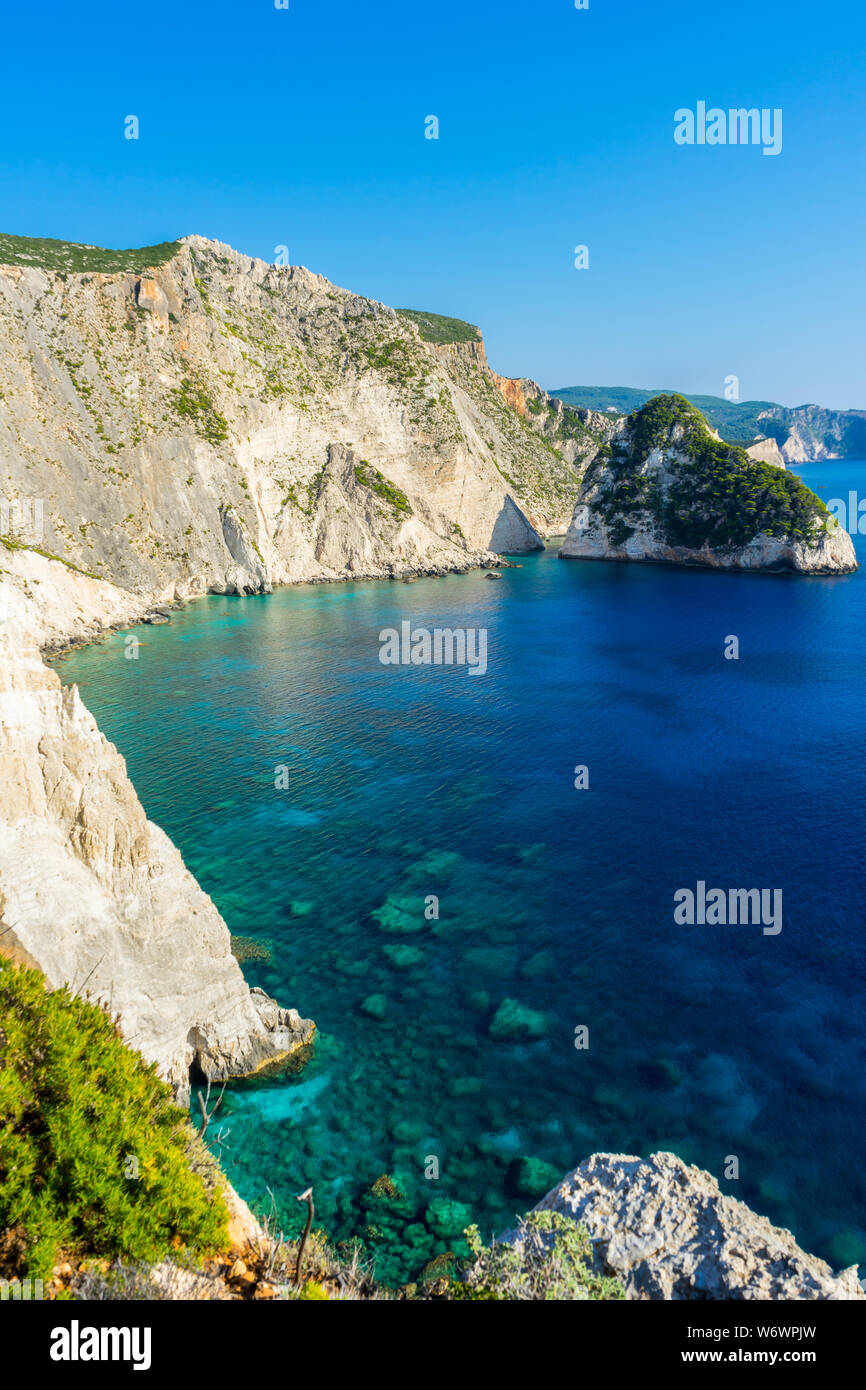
column 666, row 1231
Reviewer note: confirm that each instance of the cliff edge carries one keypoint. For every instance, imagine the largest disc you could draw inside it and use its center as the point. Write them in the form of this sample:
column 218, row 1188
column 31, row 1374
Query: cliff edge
column 191, row 419
column 92, row 893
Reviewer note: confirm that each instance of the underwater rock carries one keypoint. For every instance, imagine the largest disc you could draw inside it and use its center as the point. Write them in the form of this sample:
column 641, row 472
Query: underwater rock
column 659, row 1074
column 440, row 1267
column 514, row 1020
column 375, row 1006
column 446, row 1217
column 247, row 948
column 401, row 915
column 531, row 1177
column 466, row 1086
column 403, row 957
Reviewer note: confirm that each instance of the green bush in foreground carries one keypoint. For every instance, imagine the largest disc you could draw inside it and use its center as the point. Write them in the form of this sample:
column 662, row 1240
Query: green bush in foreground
column 550, row 1259
column 94, row 1157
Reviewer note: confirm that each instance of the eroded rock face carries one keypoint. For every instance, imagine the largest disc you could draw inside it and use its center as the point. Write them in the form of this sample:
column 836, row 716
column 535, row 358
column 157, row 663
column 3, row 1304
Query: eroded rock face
column 667, row 1232
column 183, row 427
column 767, row 451
column 151, row 299
column 814, row 432
column 249, row 574
column 588, row 538
column 97, row 897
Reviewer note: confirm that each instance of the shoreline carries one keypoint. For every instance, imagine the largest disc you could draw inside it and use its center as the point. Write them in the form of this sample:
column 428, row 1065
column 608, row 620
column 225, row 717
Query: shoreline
column 51, row 652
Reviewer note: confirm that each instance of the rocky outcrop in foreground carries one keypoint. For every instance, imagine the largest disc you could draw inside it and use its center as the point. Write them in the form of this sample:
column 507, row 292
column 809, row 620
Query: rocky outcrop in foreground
column 668, row 490
column 667, row 1232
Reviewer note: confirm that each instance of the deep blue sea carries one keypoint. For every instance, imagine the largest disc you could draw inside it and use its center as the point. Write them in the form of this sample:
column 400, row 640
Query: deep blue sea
column 558, row 903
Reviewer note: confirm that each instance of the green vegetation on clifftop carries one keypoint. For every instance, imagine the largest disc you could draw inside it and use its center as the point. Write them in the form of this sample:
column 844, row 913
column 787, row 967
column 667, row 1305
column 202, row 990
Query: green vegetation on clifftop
column 736, row 421
column 71, row 256
column 436, row 328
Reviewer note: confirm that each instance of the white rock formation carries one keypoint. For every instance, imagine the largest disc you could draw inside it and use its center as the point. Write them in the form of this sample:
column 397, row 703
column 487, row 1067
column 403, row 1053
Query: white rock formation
column 588, row 538
column 667, row 1232
column 767, row 451
column 97, row 897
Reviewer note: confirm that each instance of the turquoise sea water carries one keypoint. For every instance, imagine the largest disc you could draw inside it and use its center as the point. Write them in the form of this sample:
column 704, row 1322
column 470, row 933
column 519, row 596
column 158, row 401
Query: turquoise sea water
column 413, row 781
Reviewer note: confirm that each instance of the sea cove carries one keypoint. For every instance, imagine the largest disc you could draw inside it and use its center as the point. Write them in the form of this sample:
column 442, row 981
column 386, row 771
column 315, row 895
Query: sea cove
column 453, row 1037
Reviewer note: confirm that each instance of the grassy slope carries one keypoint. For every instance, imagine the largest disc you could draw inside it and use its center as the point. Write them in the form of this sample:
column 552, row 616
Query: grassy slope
column 437, row 328
column 69, row 256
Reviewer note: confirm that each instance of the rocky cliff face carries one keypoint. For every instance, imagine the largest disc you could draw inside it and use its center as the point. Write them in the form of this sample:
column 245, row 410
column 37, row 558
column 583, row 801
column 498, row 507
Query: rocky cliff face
column 667, row 1232
column 97, row 897
column 815, row 432
column 218, row 423
column 668, row 490
column 803, row 433
column 767, row 451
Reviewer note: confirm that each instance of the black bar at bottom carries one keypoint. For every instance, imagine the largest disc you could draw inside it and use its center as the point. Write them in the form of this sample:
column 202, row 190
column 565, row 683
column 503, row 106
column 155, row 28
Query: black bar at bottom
column 249, row 1339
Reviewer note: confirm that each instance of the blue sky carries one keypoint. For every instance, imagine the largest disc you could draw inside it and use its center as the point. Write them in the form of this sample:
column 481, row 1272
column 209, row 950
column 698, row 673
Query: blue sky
column 305, row 127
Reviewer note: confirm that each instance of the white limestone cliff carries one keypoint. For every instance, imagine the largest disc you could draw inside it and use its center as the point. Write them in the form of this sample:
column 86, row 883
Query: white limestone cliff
column 767, row 451
column 96, row 896
column 588, row 538
column 815, row 432
column 206, row 427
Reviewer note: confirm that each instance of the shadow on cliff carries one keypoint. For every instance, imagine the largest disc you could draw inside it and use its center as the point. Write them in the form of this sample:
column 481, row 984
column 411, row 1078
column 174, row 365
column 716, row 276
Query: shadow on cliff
column 512, row 531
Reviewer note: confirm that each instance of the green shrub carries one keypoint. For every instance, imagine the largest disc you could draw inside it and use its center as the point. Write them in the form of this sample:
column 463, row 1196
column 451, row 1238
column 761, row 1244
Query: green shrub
column 370, row 477
column 66, row 256
column 94, row 1157
column 394, row 359
column 192, row 402
column 550, row 1259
